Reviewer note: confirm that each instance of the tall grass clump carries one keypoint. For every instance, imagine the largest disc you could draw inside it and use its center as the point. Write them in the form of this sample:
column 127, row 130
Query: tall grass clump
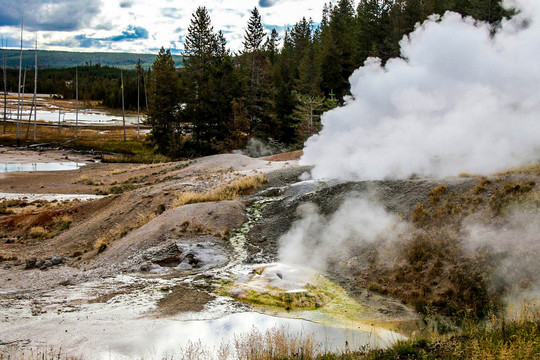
column 230, row 191
column 275, row 343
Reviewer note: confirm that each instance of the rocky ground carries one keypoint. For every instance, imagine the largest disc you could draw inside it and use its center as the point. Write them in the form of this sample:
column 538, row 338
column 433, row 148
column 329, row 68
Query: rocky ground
column 137, row 248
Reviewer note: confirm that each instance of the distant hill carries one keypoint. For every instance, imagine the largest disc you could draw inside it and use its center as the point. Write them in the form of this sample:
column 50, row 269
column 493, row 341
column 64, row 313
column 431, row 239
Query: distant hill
column 66, row 59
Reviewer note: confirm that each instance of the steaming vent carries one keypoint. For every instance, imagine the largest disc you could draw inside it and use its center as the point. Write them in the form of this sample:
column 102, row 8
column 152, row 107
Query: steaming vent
column 459, row 99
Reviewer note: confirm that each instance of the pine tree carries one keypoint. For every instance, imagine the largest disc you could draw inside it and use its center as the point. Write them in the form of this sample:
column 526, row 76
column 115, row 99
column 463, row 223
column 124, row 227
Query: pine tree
column 338, row 44
column 308, row 110
column 221, row 45
column 254, row 33
column 225, row 132
column 271, row 46
column 200, row 44
column 200, row 48
column 375, row 31
column 212, row 83
column 163, row 101
column 309, row 79
column 285, row 126
column 255, row 67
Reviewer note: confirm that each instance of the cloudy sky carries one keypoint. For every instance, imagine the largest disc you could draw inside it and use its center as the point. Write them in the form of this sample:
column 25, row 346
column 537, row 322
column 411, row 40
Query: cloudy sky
column 141, row 26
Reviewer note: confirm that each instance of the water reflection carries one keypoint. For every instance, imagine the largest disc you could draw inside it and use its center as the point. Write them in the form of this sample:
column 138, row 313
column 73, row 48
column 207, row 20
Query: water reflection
column 174, row 336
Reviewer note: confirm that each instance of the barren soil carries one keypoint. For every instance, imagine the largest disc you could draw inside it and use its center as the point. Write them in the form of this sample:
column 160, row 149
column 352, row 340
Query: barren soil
column 133, row 249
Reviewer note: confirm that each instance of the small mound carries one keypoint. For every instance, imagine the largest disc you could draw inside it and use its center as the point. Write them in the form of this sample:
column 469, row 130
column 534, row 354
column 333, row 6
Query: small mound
column 282, row 286
column 286, row 287
column 288, row 156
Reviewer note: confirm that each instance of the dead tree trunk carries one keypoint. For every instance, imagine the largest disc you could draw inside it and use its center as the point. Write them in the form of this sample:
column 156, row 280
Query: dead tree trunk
column 123, row 112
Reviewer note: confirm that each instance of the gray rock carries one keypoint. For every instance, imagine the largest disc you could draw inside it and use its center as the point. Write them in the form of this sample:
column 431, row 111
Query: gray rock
column 145, row 267
column 30, row 263
column 57, row 260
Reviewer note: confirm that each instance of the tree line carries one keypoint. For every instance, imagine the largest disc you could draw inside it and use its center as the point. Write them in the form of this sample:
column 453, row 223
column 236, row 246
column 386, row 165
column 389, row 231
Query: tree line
column 276, row 89
column 96, row 82
column 53, row 59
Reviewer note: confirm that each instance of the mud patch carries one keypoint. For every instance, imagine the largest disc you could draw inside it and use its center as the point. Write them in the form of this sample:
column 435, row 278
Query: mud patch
column 202, row 255
column 182, row 299
column 104, row 298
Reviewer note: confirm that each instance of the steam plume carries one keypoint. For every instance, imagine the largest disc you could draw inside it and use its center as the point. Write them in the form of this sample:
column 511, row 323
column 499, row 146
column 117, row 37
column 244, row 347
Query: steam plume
column 460, row 100
column 316, row 239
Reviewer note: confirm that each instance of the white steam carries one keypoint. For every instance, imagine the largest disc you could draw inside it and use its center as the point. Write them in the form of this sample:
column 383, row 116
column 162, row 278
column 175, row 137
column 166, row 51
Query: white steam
column 316, row 239
column 460, row 100
column 516, row 245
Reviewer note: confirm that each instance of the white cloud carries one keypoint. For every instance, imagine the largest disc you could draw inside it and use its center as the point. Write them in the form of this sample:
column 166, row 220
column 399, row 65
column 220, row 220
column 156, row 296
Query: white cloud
column 167, row 23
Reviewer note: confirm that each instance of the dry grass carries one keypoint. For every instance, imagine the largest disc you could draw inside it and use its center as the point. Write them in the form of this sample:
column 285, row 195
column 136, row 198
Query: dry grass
column 230, row 191
column 62, row 222
column 81, row 179
column 275, row 343
column 38, row 232
column 88, row 137
column 101, row 244
column 108, row 139
column 41, row 353
column 531, row 169
column 120, row 231
column 433, row 270
column 136, row 158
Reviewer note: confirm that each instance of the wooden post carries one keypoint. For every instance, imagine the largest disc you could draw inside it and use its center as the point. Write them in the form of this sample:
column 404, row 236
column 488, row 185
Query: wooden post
column 34, row 100
column 123, row 113
column 59, row 124
column 22, row 103
column 4, row 71
column 138, row 103
column 19, row 91
column 145, row 92
column 35, row 92
column 76, row 102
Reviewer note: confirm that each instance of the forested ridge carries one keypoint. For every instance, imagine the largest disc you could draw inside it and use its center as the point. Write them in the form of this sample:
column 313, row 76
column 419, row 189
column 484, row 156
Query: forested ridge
column 96, row 82
column 52, row 59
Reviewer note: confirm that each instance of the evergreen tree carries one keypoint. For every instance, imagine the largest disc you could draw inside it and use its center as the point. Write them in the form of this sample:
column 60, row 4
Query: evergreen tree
column 201, row 46
column 212, row 84
column 374, row 30
column 308, row 110
column 338, row 49
column 309, row 79
column 254, row 33
column 285, row 126
column 255, row 65
column 271, row 46
column 225, row 132
column 163, row 101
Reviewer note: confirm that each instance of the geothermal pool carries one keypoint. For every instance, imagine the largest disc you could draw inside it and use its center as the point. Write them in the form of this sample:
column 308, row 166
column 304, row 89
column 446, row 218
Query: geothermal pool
column 85, row 118
column 125, row 327
column 44, row 166
column 176, row 336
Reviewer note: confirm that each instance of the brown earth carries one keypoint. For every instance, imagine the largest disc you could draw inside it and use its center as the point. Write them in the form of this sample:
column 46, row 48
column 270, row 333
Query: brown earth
column 182, row 299
column 293, row 155
column 137, row 215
